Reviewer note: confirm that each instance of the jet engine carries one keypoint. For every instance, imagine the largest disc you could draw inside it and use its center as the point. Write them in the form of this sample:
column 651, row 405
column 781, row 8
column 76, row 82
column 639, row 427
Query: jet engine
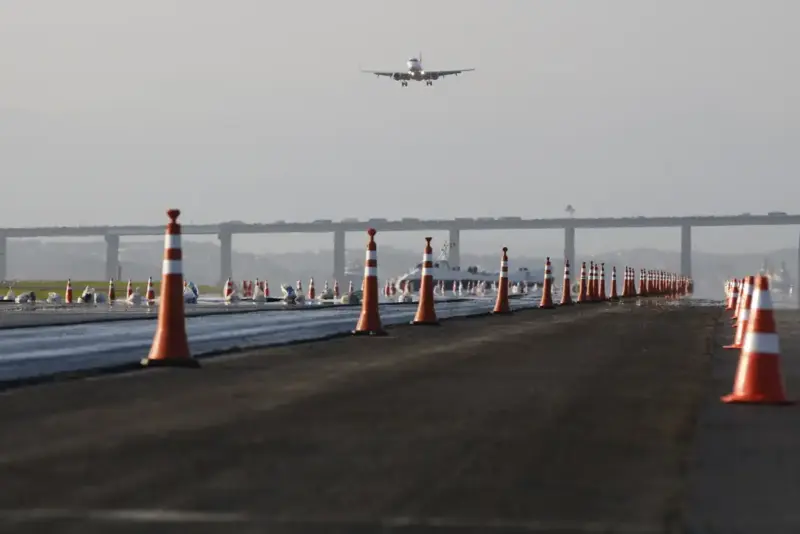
column 397, row 76
column 435, row 76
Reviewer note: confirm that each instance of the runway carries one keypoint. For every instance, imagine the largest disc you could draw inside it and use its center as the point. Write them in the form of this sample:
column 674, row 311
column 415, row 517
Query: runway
column 574, row 420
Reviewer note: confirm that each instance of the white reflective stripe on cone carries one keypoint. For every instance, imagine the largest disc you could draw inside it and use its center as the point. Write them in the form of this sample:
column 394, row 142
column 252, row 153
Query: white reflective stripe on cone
column 372, row 255
column 172, row 267
column 172, row 241
column 761, row 343
column 427, row 257
column 763, row 299
column 371, row 271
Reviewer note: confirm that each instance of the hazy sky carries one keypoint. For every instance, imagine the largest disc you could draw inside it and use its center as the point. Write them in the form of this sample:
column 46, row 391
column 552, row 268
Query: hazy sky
column 255, row 110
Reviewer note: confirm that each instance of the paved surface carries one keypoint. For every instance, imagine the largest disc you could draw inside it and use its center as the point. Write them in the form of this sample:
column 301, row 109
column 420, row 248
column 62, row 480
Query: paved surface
column 573, row 420
column 745, row 467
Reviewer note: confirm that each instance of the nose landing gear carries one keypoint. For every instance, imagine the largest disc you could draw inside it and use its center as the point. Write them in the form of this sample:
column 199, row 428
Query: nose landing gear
column 403, row 84
column 428, row 82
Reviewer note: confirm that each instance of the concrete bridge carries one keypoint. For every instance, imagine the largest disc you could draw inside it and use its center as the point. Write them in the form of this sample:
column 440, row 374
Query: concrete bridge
column 225, row 232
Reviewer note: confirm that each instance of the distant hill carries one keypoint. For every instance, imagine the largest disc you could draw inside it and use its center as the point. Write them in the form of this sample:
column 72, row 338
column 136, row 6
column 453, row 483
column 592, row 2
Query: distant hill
column 36, row 260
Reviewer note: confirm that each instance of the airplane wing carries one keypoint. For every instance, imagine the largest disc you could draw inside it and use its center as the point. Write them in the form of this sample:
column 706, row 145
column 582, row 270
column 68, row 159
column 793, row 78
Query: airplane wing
column 395, row 75
column 442, row 73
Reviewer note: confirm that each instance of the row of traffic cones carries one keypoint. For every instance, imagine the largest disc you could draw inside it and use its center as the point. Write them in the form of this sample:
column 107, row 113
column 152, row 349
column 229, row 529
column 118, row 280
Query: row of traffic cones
column 171, row 346
column 758, row 377
column 150, row 294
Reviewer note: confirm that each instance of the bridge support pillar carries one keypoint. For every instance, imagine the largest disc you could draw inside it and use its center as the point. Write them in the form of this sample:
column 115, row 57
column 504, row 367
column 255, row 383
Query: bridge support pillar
column 569, row 249
column 225, row 256
column 686, row 250
column 454, row 254
column 3, row 256
column 339, row 248
column 112, row 256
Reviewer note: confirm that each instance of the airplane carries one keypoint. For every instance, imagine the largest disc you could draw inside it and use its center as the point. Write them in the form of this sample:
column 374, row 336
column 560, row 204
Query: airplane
column 416, row 72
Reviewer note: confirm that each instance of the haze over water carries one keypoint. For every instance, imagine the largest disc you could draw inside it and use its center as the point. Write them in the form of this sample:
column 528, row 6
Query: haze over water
column 255, row 110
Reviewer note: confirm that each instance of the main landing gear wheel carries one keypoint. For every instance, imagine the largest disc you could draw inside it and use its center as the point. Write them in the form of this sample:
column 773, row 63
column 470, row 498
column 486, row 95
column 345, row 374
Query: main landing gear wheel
column 429, row 83
column 403, row 84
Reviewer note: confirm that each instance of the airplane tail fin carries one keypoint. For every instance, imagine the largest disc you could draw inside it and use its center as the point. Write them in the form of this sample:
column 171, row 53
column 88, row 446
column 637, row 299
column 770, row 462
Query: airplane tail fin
column 420, row 57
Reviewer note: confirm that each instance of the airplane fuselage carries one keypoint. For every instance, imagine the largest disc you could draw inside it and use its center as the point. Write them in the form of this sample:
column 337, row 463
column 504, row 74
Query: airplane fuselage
column 415, row 70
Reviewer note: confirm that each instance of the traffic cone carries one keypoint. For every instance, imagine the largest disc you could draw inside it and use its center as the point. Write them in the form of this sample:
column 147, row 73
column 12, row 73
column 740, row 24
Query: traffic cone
column 312, row 291
column 758, row 377
column 601, row 282
column 68, row 292
column 566, row 292
column 583, row 289
column 426, row 314
column 744, row 313
column 501, row 305
column 613, row 296
column 643, row 283
column 547, row 289
column 336, row 294
column 737, row 306
column 150, row 294
column 266, row 287
column 370, row 320
column 171, row 344
column 112, row 292
column 129, row 289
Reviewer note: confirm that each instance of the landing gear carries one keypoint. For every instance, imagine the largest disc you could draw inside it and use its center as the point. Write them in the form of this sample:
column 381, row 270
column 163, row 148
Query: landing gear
column 403, row 84
column 428, row 82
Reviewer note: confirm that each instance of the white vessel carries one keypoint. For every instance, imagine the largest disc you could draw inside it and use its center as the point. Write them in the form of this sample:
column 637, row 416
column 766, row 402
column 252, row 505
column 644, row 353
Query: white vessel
column 780, row 283
column 353, row 272
column 442, row 270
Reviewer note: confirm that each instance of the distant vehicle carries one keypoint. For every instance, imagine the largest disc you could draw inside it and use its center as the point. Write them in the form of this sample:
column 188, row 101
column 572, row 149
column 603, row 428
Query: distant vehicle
column 485, row 218
column 776, row 213
column 416, row 72
column 323, row 221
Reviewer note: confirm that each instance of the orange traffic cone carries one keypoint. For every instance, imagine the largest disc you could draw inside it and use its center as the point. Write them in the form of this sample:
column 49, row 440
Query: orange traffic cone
column 68, row 293
column 150, row 294
column 613, row 296
column 501, row 305
column 171, row 344
column 566, row 291
column 601, row 281
column 547, row 289
column 129, row 289
column 758, row 378
column 734, row 296
column 643, row 280
column 426, row 314
column 370, row 321
column 312, row 291
column 744, row 312
column 583, row 289
column 112, row 292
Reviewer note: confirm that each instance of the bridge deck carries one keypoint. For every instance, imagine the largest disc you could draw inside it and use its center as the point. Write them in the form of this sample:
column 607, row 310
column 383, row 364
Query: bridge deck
column 557, row 422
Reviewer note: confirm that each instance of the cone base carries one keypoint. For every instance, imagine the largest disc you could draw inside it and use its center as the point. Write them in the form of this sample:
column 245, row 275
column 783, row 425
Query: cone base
column 434, row 322
column 187, row 363
column 734, row 346
column 570, row 303
column 733, row 398
column 369, row 333
column 547, row 307
column 502, row 312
